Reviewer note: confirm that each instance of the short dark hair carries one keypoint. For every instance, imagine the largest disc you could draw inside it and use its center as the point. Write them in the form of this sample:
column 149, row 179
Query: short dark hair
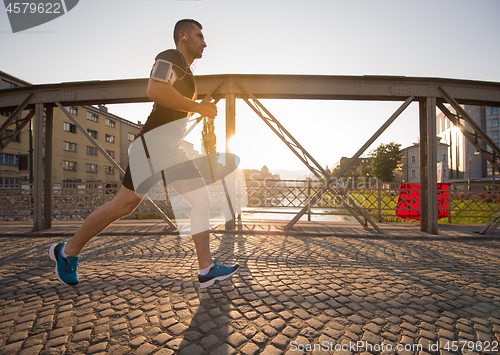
column 184, row 25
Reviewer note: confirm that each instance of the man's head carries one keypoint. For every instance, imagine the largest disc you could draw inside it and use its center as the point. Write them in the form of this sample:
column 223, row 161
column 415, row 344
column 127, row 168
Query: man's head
column 189, row 39
column 185, row 26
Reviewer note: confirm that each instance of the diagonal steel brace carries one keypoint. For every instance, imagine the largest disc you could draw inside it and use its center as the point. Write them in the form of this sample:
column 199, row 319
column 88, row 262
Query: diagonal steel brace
column 305, row 157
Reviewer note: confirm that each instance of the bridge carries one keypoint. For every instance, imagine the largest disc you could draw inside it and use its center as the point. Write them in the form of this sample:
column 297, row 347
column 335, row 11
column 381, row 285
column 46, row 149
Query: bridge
column 430, row 93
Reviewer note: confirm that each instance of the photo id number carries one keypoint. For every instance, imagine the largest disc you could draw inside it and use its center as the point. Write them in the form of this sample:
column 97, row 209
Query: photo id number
column 34, row 8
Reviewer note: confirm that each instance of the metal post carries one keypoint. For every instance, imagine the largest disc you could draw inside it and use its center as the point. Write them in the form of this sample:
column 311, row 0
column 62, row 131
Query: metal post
column 428, row 166
column 379, row 202
column 230, row 132
column 38, row 165
column 308, row 198
column 423, row 166
column 48, row 186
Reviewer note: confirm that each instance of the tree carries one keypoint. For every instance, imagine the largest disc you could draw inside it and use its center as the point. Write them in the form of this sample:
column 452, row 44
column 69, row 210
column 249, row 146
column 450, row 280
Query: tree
column 384, row 160
column 208, row 136
column 349, row 173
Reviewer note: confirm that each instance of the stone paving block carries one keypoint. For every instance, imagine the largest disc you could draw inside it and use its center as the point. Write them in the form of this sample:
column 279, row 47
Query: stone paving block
column 97, row 348
column 145, row 349
column 250, row 349
column 82, row 335
column 34, row 350
column 11, row 348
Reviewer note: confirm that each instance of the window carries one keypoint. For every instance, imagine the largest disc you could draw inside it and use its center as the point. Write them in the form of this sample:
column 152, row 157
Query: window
column 94, row 117
column 69, row 165
column 9, row 183
column 92, row 168
column 413, row 158
column 72, row 109
column 110, row 138
column 70, row 147
column 8, row 85
column 92, row 133
column 131, row 137
column 91, row 150
column 111, row 153
column 110, row 123
column 109, row 169
column 69, row 127
column 71, row 184
column 9, row 159
column 444, row 157
column 6, row 133
column 413, row 173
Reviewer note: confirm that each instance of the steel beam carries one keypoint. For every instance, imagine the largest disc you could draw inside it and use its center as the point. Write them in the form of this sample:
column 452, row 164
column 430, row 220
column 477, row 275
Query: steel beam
column 382, row 88
column 38, row 166
column 428, row 166
column 48, row 185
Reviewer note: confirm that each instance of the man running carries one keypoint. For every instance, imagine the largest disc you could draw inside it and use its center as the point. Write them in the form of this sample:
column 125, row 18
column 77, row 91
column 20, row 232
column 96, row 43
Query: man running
column 172, row 88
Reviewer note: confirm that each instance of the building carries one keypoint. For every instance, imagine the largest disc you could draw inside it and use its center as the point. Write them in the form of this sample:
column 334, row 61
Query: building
column 462, row 154
column 409, row 170
column 263, row 174
column 13, row 159
column 75, row 158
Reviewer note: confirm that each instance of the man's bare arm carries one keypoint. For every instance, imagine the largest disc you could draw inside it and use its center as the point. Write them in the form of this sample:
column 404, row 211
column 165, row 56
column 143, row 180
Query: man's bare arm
column 166, row 95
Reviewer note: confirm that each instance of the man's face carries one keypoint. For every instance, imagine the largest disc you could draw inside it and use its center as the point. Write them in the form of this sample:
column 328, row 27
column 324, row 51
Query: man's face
column 195, row 43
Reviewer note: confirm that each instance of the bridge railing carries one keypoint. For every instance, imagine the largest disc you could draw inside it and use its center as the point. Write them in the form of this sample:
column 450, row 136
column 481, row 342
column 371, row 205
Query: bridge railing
column 476, row 202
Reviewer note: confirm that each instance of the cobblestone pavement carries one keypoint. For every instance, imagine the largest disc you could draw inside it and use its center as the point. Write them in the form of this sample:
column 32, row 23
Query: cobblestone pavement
column 139, row 295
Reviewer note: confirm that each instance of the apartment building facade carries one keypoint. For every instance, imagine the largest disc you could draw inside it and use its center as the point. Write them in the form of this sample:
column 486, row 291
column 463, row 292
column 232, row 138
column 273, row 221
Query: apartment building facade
column 75, row 159
column 409, row 169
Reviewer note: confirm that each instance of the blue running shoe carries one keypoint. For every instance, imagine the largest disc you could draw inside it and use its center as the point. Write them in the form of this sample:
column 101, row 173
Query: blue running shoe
column 65, row 267
column 217, row 273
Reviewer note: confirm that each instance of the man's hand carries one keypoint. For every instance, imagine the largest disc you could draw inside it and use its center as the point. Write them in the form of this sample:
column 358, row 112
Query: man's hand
column 207, row 108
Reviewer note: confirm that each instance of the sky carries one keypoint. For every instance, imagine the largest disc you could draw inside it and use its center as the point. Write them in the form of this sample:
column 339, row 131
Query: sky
column 118, row 39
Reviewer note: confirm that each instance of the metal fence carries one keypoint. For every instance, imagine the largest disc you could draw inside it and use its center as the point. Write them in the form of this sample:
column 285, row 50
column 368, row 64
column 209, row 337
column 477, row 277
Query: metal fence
column 475, row 203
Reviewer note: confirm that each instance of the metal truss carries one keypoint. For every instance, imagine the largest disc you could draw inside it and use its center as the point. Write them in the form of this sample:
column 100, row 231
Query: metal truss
column 308, row 160
column 429, row 92
column 344, row 168
column 15, row 118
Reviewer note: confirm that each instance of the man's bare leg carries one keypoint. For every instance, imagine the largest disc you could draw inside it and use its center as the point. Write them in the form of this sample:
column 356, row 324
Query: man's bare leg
column 195, row 192
column 121, row 205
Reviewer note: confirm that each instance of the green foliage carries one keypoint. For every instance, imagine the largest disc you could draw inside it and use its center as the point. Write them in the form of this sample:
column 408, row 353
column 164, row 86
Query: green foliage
column 348, row 173
column 384, row 160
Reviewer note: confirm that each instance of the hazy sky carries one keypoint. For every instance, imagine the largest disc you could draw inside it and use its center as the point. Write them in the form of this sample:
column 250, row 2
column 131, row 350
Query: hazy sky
column 118, row 39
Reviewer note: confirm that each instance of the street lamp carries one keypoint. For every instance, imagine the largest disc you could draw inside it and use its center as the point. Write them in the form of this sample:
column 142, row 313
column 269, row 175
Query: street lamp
column 476, row 153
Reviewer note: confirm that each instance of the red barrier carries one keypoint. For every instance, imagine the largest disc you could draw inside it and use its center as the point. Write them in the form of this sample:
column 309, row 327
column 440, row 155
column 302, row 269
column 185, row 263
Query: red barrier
column 408, row 206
